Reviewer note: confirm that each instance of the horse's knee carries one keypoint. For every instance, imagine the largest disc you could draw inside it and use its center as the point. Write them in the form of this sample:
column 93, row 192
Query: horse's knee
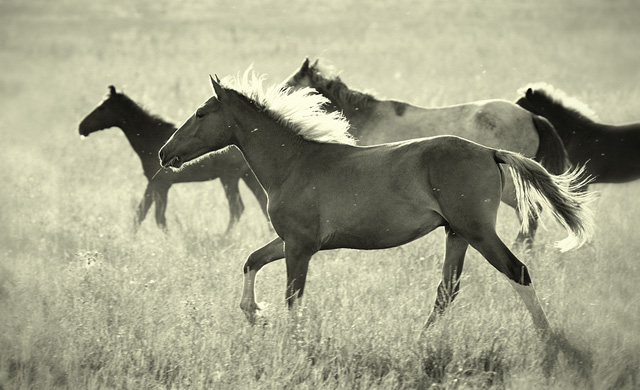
column 249, row 264
column 254, row 262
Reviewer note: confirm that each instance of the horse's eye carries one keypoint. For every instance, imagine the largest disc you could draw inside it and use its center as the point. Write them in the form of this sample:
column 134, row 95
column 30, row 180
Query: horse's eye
column 199, row 114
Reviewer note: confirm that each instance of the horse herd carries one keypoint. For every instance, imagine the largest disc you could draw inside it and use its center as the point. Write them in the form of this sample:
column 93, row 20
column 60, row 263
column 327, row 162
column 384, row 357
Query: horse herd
column 333, row 167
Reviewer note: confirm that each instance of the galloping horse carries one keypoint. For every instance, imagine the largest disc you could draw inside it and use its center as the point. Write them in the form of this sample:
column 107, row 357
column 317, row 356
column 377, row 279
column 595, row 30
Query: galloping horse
column 325, row 193
column 494, row 123
column 146, row 134
column 608, row 153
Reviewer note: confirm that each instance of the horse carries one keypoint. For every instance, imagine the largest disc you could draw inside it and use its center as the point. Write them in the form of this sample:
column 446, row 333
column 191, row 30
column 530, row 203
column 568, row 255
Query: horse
column 146, row 134
column 494, row 123
column 324, row 192
column 609, row 153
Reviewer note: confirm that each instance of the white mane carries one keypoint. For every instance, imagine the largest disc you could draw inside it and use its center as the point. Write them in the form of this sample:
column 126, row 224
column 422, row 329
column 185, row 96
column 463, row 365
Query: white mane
column 559, row 96
column 300, row 111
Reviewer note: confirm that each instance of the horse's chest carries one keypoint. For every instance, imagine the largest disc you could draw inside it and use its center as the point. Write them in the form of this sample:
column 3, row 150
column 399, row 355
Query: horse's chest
column 293, row 214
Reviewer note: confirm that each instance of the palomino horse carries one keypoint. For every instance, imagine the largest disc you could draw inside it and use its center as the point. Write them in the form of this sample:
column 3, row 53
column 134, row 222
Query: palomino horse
column 146, row 134
column 608, row 153
column 326, row 193
column 494, row 123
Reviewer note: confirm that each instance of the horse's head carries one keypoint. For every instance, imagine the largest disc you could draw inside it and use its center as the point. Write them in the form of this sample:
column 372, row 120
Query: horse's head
column 531, row 101
column 103, row 116
column 208, row 129
column 311, row 76
column 303, row 77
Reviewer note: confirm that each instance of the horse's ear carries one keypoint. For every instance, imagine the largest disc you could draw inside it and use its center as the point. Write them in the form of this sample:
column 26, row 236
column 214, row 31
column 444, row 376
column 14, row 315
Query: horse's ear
column 218, row 91
column 112, row 90
column 529, row 93
column 305, row 66
column 315, row 63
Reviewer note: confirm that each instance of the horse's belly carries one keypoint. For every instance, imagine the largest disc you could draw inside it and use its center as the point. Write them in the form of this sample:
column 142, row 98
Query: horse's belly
column 379, row 231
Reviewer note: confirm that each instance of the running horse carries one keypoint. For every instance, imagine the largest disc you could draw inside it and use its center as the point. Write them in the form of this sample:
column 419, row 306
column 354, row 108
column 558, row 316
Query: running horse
column 146, row 134
column 325, row 192
column 495, row 123
column 609, row 153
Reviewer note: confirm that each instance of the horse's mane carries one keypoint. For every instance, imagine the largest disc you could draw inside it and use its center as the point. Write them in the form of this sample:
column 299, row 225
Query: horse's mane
column 135, row 108
column 558, row 97
column 327, row 78
column 299, row 111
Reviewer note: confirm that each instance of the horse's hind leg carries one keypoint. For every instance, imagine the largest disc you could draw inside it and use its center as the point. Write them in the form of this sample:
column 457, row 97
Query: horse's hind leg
column 455, row 249
column 496, row 252
column 274, row 250
column 236, row 207
column 297, row 259
column 524, row 240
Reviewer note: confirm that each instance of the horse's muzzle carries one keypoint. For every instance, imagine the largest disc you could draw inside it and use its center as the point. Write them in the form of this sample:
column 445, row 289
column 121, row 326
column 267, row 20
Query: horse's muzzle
column 168, row 163
column 83, row 130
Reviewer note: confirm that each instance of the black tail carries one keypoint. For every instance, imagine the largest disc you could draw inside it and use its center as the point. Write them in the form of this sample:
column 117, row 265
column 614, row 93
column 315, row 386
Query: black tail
column 551, row 153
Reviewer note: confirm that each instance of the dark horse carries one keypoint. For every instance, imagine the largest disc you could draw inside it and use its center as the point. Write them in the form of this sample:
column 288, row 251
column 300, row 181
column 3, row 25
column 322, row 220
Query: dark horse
column 494, row 123
column 325, row 193
column 609, row 154
column 146, row 134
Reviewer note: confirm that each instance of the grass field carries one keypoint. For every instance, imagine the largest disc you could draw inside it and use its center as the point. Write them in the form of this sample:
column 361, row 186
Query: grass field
column 87, row 304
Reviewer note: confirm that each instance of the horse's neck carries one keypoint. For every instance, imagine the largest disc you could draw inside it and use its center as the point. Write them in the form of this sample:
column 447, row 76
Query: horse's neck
column 269, row 148
column 146, row 135
column 358, row 118
column 390, row 121
column 354, row 105
column 569, row 125
column 358, row 115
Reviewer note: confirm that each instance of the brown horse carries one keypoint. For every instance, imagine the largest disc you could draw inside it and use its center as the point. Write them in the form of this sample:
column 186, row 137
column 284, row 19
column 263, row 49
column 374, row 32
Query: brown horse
column 146, row 134
column 609, row 153
column 326, row 193
column 494, row 123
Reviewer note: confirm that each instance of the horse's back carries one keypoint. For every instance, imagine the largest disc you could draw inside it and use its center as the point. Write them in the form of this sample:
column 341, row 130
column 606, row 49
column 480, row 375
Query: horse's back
column 390, row 193
column 498, row 124
column 501, row 124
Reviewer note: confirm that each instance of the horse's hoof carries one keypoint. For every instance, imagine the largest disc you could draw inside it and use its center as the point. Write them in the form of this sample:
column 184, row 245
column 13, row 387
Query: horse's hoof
column 255, row 315
column 256, row 318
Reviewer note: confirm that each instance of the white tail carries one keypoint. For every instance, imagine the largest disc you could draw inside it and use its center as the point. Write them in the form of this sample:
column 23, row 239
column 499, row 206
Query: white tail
column 537, row 189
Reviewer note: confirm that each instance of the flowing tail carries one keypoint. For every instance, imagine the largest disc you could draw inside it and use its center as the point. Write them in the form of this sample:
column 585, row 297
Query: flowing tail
column 537, row 189
column 551, row 152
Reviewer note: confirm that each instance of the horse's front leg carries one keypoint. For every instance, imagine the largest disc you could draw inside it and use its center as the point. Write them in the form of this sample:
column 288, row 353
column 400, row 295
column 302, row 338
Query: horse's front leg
column 274, row 250
column 297, row 259
column 524, row 241
column 160, row 196
column 143, row 207
column 455, row 249
column 236, row 207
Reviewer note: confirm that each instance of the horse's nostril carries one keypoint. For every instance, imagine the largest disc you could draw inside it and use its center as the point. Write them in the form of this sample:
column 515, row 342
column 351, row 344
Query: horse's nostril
column 161, row 155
